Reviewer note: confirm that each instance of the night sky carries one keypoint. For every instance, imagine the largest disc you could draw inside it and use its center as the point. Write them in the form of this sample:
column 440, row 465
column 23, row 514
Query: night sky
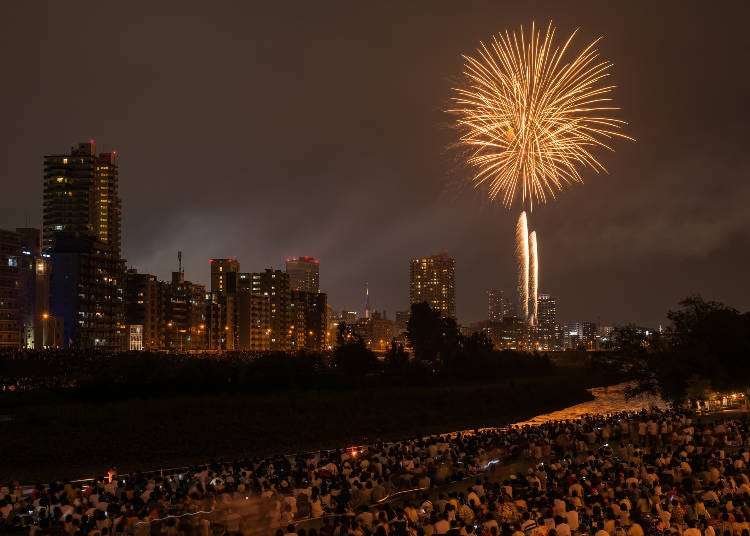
column 263, row 130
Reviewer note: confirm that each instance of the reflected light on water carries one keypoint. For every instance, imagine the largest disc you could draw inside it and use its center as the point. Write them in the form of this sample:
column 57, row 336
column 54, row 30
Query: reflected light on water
column 606, row 400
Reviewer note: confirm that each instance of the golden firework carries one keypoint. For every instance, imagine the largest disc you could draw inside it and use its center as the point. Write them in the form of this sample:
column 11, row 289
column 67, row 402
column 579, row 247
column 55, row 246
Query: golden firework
column 531, row 114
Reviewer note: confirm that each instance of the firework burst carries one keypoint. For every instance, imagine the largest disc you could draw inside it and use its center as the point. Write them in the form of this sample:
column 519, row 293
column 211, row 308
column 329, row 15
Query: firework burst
column 531, row 113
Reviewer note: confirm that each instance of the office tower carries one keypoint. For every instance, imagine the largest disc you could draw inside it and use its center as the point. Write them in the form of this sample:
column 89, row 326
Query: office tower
column 308, row 313
column 496, row 309
column 433, row 280
column 146, row 306
column 547, row 312
column 81, row 196
column 254, row 321
column 86, row 290
column 275, row 285
column 304, row 274
column 81, row 230
column 225, row 276
column 186, row 312
column 549, row 331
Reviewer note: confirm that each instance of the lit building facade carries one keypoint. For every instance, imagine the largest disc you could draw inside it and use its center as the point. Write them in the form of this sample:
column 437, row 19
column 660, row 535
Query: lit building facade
column 549, row 333
column 81, row 230
column 304, row 274
column 433, row 280
column 87, row 292
column 496, row 308
column 309, row 320
column 275, row 285
column 377, row 331
column 81, row 196
column 146, row 306
column 186, row 326
column 225, row 275
column 254, row 321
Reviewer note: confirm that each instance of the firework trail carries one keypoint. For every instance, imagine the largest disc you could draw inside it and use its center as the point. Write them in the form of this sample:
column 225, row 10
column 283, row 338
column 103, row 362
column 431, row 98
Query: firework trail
column 533, row 278
column 530, row 114
column 522, row 256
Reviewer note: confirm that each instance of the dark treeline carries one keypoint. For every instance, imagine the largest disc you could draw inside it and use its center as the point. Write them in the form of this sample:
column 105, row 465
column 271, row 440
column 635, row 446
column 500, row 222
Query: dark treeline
column 705, row 348
column 441, row 356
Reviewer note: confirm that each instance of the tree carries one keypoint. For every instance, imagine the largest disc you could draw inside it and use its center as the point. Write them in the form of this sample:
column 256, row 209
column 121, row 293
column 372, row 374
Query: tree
column 352, row 357
column 396, row 359
column 706, row 346
column 433, row 338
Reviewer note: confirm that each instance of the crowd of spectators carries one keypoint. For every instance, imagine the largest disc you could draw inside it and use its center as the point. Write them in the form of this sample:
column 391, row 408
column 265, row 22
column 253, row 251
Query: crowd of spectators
column 631, row 474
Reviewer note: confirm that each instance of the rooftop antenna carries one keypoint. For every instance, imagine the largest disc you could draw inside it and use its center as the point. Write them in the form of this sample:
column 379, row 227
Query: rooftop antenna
column 179, row 261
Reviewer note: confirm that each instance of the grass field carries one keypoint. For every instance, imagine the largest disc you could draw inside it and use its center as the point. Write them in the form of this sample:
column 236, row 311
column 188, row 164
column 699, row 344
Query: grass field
column 73, row 440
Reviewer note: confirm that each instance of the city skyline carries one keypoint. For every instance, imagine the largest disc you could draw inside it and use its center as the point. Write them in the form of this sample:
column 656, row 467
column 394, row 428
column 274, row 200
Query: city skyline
column 667, row 222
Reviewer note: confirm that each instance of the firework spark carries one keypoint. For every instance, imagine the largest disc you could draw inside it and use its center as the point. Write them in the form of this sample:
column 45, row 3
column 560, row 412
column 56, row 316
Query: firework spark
column 531, row 113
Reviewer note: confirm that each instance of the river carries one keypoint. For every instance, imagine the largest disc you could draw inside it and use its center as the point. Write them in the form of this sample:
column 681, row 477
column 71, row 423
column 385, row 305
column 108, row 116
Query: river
column 606, row 400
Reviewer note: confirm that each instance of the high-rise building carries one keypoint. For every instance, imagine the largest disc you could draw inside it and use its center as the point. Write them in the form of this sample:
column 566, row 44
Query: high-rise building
column 496, row 309
column 186, row 314
column 87, row 292
column 549, row 332
column 254, row 321
column 146, row 306
column 433, row 280
column 221, row 321
column 547, row 312
column 304, row 274
column 81, row 229
column 308, row 320
column 11, row 316
column 81, row 196
column 225, row 276
column 275, row 285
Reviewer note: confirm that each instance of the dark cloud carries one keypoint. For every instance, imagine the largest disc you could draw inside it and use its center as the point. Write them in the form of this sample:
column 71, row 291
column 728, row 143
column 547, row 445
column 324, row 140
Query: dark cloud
column 267, row 130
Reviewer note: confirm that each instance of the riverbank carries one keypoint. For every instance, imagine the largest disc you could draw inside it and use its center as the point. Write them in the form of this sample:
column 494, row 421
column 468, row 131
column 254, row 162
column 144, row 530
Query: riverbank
column 82, row 440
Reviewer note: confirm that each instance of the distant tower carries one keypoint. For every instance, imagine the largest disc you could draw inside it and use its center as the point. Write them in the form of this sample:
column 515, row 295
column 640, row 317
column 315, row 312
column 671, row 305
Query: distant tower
column 367, row 300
